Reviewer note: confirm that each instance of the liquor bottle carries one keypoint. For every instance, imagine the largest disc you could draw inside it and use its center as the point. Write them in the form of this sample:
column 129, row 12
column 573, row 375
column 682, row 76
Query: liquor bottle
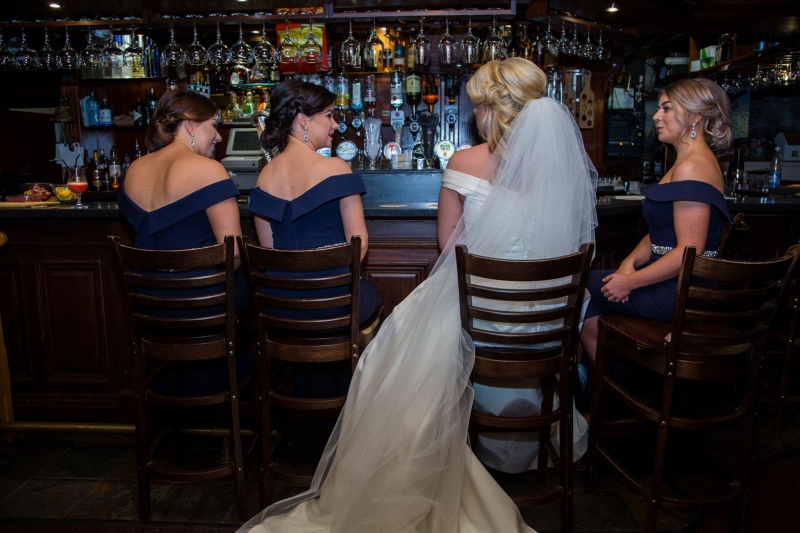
column 356, row 100
column 92, row 110
column 430, row 91
column 249, row 105
column 399, row 52
column 342, row 102
column 275, row 73
column 114, row 171
column 95, row 183
column 735, row 168
column 102, row 167
column 369, row 94
column 775, row 169
column 413, row 89
column 126, row 163
column 152, row 102
column 410, row 51
column 137, row 152
column 396, row 89
column 105, row 115
column 139, row 110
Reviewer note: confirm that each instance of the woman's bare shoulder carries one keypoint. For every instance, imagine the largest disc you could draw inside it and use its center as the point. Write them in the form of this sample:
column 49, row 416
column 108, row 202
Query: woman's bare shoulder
column 471, row 161
column 698, row 168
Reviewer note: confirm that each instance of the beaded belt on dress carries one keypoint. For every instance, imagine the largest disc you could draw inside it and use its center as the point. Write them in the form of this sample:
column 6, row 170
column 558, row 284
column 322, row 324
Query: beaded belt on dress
column 664, row 250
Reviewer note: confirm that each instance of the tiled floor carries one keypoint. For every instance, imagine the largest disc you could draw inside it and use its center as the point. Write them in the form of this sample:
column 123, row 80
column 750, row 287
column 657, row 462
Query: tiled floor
column 92, row 478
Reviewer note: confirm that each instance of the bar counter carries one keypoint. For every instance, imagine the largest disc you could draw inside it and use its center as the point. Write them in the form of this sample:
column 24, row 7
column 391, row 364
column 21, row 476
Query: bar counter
column 62, row 308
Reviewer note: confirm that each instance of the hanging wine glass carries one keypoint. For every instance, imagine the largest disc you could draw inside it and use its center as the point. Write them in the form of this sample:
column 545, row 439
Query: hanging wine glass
column 264, row 51
column 422, row 47
column 549, row 41
column 92, row 55
column 133, row 57
column 563, row 41
column 287, row 50
column 588, row 50
column 68, row 58
column 172, row 54
column 493, row 45
column 448, row 46
column 470, row 46
column 113, row 56
column 373, row 50
column 241, row 52
column 311, row 51
column 47, row 57
column 350, row 51
column 600, row 51
column 218, row 54
column 25, row 57
column 6, row 57
column 574, row 47
column 195, row 54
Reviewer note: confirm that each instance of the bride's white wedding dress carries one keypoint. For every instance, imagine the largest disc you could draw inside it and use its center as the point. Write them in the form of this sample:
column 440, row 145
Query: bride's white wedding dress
column 398, row 459
column 511, row 452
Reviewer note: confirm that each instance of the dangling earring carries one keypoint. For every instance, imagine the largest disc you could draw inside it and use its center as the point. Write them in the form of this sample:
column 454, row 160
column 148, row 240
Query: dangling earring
column 191, row 143
column 305, row 134
column 694, row 133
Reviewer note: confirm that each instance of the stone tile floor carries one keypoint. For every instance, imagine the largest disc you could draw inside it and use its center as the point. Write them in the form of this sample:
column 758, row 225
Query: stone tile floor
column 90, row 478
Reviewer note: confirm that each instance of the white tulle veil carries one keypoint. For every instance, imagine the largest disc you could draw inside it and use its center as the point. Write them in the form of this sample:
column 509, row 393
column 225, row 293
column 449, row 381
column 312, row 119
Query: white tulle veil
column 396, row 459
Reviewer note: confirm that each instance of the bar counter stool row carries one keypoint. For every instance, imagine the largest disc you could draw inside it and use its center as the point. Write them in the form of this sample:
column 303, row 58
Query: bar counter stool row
column 181, row 308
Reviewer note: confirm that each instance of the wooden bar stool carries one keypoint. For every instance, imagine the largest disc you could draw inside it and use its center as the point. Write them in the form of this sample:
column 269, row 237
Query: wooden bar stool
column 715, row 342
column 181, row 309
column 523, row 316
column 305, row 304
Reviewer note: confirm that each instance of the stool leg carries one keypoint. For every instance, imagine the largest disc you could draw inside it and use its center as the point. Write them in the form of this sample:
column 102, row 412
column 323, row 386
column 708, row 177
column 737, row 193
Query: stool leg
column 602, row 366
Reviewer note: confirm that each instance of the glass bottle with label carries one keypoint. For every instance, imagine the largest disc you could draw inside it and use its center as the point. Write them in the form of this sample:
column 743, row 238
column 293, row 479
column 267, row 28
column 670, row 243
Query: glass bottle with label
column 399, row 52
column 102, row 167
column 396, row 89
column 413, row 90
column 105, row 115
column 369, row 94
column 114, row 171
column 92, row 110
column 775, row 169
column 342, row 102
column 356, row 100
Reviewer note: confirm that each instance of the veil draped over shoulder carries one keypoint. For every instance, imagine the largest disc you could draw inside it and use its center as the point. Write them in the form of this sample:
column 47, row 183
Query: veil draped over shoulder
column 398, row 459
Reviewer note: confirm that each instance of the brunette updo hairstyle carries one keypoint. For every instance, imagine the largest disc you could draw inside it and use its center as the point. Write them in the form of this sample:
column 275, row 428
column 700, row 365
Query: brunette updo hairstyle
column 503, row 88
column 703, row 97
column 172, row 109
column 290, row 98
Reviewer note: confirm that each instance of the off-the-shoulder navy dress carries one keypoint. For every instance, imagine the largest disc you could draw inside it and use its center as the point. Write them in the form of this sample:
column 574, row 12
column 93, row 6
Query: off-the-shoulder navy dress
column 658, row 300
column 181, row 225
column 314, row 220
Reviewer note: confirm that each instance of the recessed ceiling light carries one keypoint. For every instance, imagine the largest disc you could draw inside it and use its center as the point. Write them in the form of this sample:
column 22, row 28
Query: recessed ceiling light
column 612, row 8
column 55, row 6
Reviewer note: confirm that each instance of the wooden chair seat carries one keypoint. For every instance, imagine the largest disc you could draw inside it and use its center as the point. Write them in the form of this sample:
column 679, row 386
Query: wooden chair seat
column 180, row 304
column 541, row 344
column 288, row 344
column 717, row 336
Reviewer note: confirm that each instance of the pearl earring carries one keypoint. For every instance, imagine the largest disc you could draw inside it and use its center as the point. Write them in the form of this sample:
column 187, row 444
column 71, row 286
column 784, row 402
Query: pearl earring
column 694, row 133
column 305, row 134
column 191, row 143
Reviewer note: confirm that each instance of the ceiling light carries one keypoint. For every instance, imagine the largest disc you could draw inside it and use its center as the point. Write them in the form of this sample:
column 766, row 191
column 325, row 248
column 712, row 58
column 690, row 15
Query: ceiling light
column 612, row 8
column 55, row 6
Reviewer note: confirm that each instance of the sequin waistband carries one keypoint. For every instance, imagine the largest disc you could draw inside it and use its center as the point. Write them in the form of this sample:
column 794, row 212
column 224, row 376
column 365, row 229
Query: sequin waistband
column 664, row 250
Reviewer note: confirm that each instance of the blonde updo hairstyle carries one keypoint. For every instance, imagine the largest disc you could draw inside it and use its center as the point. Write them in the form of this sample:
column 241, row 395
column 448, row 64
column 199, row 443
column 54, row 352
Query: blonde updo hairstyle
column 173, row 108
column 503, row 88
column 707, row 99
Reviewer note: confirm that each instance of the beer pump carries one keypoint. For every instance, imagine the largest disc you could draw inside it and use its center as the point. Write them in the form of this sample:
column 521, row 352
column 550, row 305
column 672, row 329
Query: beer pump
column 397, row 117
column 451, row 90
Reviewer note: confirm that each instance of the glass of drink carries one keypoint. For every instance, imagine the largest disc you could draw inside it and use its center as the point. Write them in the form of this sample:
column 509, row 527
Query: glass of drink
column 77, row 184
column 372, row 140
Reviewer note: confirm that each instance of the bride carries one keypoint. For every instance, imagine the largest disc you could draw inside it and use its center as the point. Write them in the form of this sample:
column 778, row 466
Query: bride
column 398, row 459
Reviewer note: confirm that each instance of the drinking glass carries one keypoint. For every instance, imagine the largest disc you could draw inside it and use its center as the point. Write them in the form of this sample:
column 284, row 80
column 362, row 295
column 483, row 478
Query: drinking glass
column 264, row 51
column 448, row 46
column 350, row 51
column 92, row 54
column 601, row 53
column 373, row 49
column 68, row 58
column 133, row 56
column 549, row 41
column 493, row 45
column 47, row 57
column 172, row 54
column 588, row 49
column 563, row 41
column 311, row 51
column 575, row 48
column 113, row 56
column 287, row 50
column 372, row 140
column 422, row 47
column 218, row 54
column 470, row 46
column 195, row 54
column 78, row 184
column 25, row 57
